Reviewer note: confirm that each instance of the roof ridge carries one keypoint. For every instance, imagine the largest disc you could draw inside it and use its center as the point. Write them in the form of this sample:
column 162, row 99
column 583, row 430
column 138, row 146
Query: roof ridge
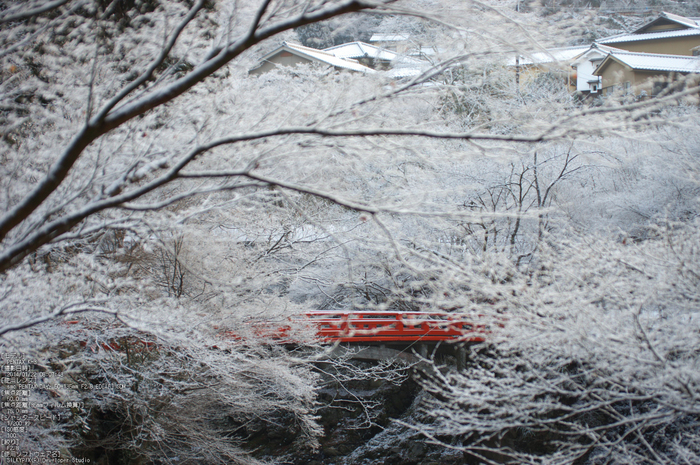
column 359, row 43
column 342, row 45
column 305, row 48
column 679, row 18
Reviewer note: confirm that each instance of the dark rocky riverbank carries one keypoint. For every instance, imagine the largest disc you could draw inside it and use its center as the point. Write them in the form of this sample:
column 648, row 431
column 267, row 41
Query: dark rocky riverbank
column 363, row 423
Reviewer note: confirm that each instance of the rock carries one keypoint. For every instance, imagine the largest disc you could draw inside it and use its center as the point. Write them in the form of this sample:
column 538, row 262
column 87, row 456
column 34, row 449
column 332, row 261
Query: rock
column 416, row 450
column 331, row 451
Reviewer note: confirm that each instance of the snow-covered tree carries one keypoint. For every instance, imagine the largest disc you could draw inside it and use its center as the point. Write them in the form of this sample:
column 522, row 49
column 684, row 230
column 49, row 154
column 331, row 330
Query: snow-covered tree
column 149, row 182
column 595, row 365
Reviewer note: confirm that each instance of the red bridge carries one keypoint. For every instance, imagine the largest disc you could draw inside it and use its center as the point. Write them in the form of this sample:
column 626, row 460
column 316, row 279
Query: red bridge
column 375, row 327
column 381, row 330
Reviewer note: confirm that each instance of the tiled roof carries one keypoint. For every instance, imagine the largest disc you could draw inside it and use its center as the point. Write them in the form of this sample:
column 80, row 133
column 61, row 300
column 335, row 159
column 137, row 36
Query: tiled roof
column 656, row 62
column 552, row 55
column 320, row 56
column 602, row 49
column 650, row 36
column 360, row 50
column 690, row 22
column 331, row 59
column 680, row 20
column 340, row 57
column 389, row 37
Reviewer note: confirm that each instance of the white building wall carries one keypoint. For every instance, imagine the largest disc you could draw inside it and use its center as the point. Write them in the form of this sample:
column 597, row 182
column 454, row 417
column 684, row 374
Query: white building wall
column 585, row 68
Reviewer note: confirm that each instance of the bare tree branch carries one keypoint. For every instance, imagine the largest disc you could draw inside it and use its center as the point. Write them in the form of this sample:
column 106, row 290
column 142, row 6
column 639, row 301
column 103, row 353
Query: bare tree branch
column 9, row 16
column 71, row 309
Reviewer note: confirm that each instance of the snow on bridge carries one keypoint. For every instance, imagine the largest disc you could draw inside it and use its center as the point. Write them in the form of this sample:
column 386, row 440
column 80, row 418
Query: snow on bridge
column 379, row 336
column 372, row 327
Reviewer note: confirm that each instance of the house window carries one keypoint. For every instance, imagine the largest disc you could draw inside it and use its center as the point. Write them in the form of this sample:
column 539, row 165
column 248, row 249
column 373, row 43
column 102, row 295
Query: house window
column 595, row 88
column 627, row 87
column 696, row 52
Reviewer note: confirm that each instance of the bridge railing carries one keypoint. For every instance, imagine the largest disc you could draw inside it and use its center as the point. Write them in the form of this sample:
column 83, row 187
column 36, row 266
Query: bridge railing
column 347, row 327
column 376, row 327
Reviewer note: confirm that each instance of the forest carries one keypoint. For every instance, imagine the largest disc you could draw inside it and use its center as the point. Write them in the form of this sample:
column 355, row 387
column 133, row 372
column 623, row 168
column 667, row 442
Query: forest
column 156, row 196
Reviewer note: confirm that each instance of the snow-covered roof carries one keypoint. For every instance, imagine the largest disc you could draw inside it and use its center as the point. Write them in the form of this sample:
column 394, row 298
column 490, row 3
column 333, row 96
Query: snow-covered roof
column 313, row 54
column 552, row 55
column 340, row 56
column 665, row 17
column 650, row 36
column 654, row 62
column 388, row 37
column 681, row 27
column 316, row 55
column 360, row 50
column 595, row 49
column 338, row 62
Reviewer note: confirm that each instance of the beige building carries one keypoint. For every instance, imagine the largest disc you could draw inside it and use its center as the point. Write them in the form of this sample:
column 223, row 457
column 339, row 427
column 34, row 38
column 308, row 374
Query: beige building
column 637, row 73
column 668, row 34
column 650, row 50
column 643, row 61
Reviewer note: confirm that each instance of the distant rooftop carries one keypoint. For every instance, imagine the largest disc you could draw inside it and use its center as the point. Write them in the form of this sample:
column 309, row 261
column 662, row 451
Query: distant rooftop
column 668, row 19
column 361, row 50
column 666, row 25
column 389, row 37
column 313, row 54
column 343, row 56
column 553, row 55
